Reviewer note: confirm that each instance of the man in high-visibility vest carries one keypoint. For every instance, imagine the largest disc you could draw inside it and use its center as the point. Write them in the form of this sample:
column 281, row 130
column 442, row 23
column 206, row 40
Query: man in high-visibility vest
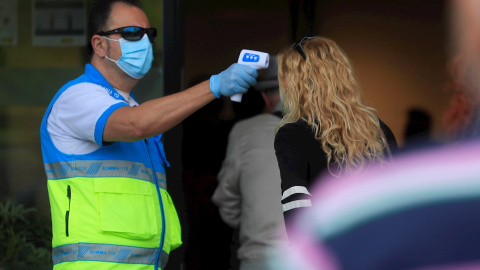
column 103, row 154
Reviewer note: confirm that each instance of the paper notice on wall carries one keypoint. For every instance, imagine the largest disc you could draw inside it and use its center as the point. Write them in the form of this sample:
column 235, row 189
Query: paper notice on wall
column 59, row 23
column 8, row 22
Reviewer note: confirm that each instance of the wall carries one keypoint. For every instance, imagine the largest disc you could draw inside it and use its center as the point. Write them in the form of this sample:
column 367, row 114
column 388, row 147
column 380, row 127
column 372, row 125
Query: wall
column 216, row 32
column 399, row 49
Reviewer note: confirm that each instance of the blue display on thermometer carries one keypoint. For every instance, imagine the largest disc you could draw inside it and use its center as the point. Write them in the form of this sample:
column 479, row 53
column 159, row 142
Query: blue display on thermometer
column 251, row 58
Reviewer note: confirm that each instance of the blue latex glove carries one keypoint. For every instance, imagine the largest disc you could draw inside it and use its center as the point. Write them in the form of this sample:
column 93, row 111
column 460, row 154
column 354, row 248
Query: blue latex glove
column 234, row 80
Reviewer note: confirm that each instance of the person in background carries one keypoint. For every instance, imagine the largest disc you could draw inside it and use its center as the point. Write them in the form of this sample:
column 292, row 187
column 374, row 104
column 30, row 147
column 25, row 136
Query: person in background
column 248, row 192
column 103, row 153
column 418, row 132
column 462, row 117
column 326, row 126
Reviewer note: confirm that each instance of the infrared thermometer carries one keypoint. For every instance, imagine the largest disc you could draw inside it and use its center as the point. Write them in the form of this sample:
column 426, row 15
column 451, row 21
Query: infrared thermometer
column 257, row 60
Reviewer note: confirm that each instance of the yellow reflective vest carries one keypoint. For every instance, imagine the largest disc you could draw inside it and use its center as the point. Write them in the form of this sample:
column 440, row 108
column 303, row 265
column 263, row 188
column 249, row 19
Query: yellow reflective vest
column 110, row 208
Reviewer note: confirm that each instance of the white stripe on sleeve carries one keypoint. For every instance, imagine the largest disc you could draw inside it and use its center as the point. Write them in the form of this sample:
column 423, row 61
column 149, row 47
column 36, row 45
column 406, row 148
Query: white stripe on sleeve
column 295, row 190
column 296, row 204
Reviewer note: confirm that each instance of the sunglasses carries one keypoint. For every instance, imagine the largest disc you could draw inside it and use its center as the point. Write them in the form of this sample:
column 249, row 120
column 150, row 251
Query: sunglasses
column 299, row 48
column 132, row 33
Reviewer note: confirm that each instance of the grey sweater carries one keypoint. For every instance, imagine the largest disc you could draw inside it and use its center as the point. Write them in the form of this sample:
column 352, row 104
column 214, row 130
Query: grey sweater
column 249, row 193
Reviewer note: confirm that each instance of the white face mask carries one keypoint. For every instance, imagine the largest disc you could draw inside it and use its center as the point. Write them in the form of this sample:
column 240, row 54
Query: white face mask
column 137, row 56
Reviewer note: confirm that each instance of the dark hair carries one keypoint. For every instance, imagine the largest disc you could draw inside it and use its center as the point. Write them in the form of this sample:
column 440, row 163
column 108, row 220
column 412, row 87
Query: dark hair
column 271, row 91
column 419, row 123
column 100, row 14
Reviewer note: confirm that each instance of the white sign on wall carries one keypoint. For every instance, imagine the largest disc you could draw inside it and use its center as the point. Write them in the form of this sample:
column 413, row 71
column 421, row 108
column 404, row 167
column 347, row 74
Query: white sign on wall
column 8, row 22
column 59, row 23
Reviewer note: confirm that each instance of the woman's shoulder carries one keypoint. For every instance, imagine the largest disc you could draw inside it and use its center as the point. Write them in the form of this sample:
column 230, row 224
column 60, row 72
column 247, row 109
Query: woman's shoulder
column 389, row 136
column 299, row 125
column 386, row 129
column 299, row 130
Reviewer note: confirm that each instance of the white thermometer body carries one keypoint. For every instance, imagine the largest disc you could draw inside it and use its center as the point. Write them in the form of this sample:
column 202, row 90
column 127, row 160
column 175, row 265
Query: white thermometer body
column 255, row 59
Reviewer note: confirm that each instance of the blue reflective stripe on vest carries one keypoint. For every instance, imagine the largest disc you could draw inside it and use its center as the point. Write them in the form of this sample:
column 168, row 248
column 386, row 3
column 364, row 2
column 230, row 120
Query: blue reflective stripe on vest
column 103, row 168
column 107, row 253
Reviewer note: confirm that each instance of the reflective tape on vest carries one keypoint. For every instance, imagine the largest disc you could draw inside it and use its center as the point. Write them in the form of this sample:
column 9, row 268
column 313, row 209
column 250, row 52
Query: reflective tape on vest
column 107, row 253
column 103, row 168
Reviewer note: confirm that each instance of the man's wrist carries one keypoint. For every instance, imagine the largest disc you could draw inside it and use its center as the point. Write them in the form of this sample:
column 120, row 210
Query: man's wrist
column 214, row 85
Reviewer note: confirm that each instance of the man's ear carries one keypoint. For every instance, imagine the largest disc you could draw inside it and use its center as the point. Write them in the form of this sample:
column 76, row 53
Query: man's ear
column 99, row 45
column 265, row 98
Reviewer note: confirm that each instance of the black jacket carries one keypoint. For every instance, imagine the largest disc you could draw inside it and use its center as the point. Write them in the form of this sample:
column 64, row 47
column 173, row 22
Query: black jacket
column 301, row 160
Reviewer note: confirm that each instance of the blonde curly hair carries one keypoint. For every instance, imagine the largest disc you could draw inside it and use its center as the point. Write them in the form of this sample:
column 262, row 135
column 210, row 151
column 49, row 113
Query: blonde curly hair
column 324, row 91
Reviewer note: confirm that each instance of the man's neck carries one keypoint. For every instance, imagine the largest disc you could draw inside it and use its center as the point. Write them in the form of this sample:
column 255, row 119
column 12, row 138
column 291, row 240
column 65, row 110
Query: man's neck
column 267, row 109
column 272, row 108
column 115, row 76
